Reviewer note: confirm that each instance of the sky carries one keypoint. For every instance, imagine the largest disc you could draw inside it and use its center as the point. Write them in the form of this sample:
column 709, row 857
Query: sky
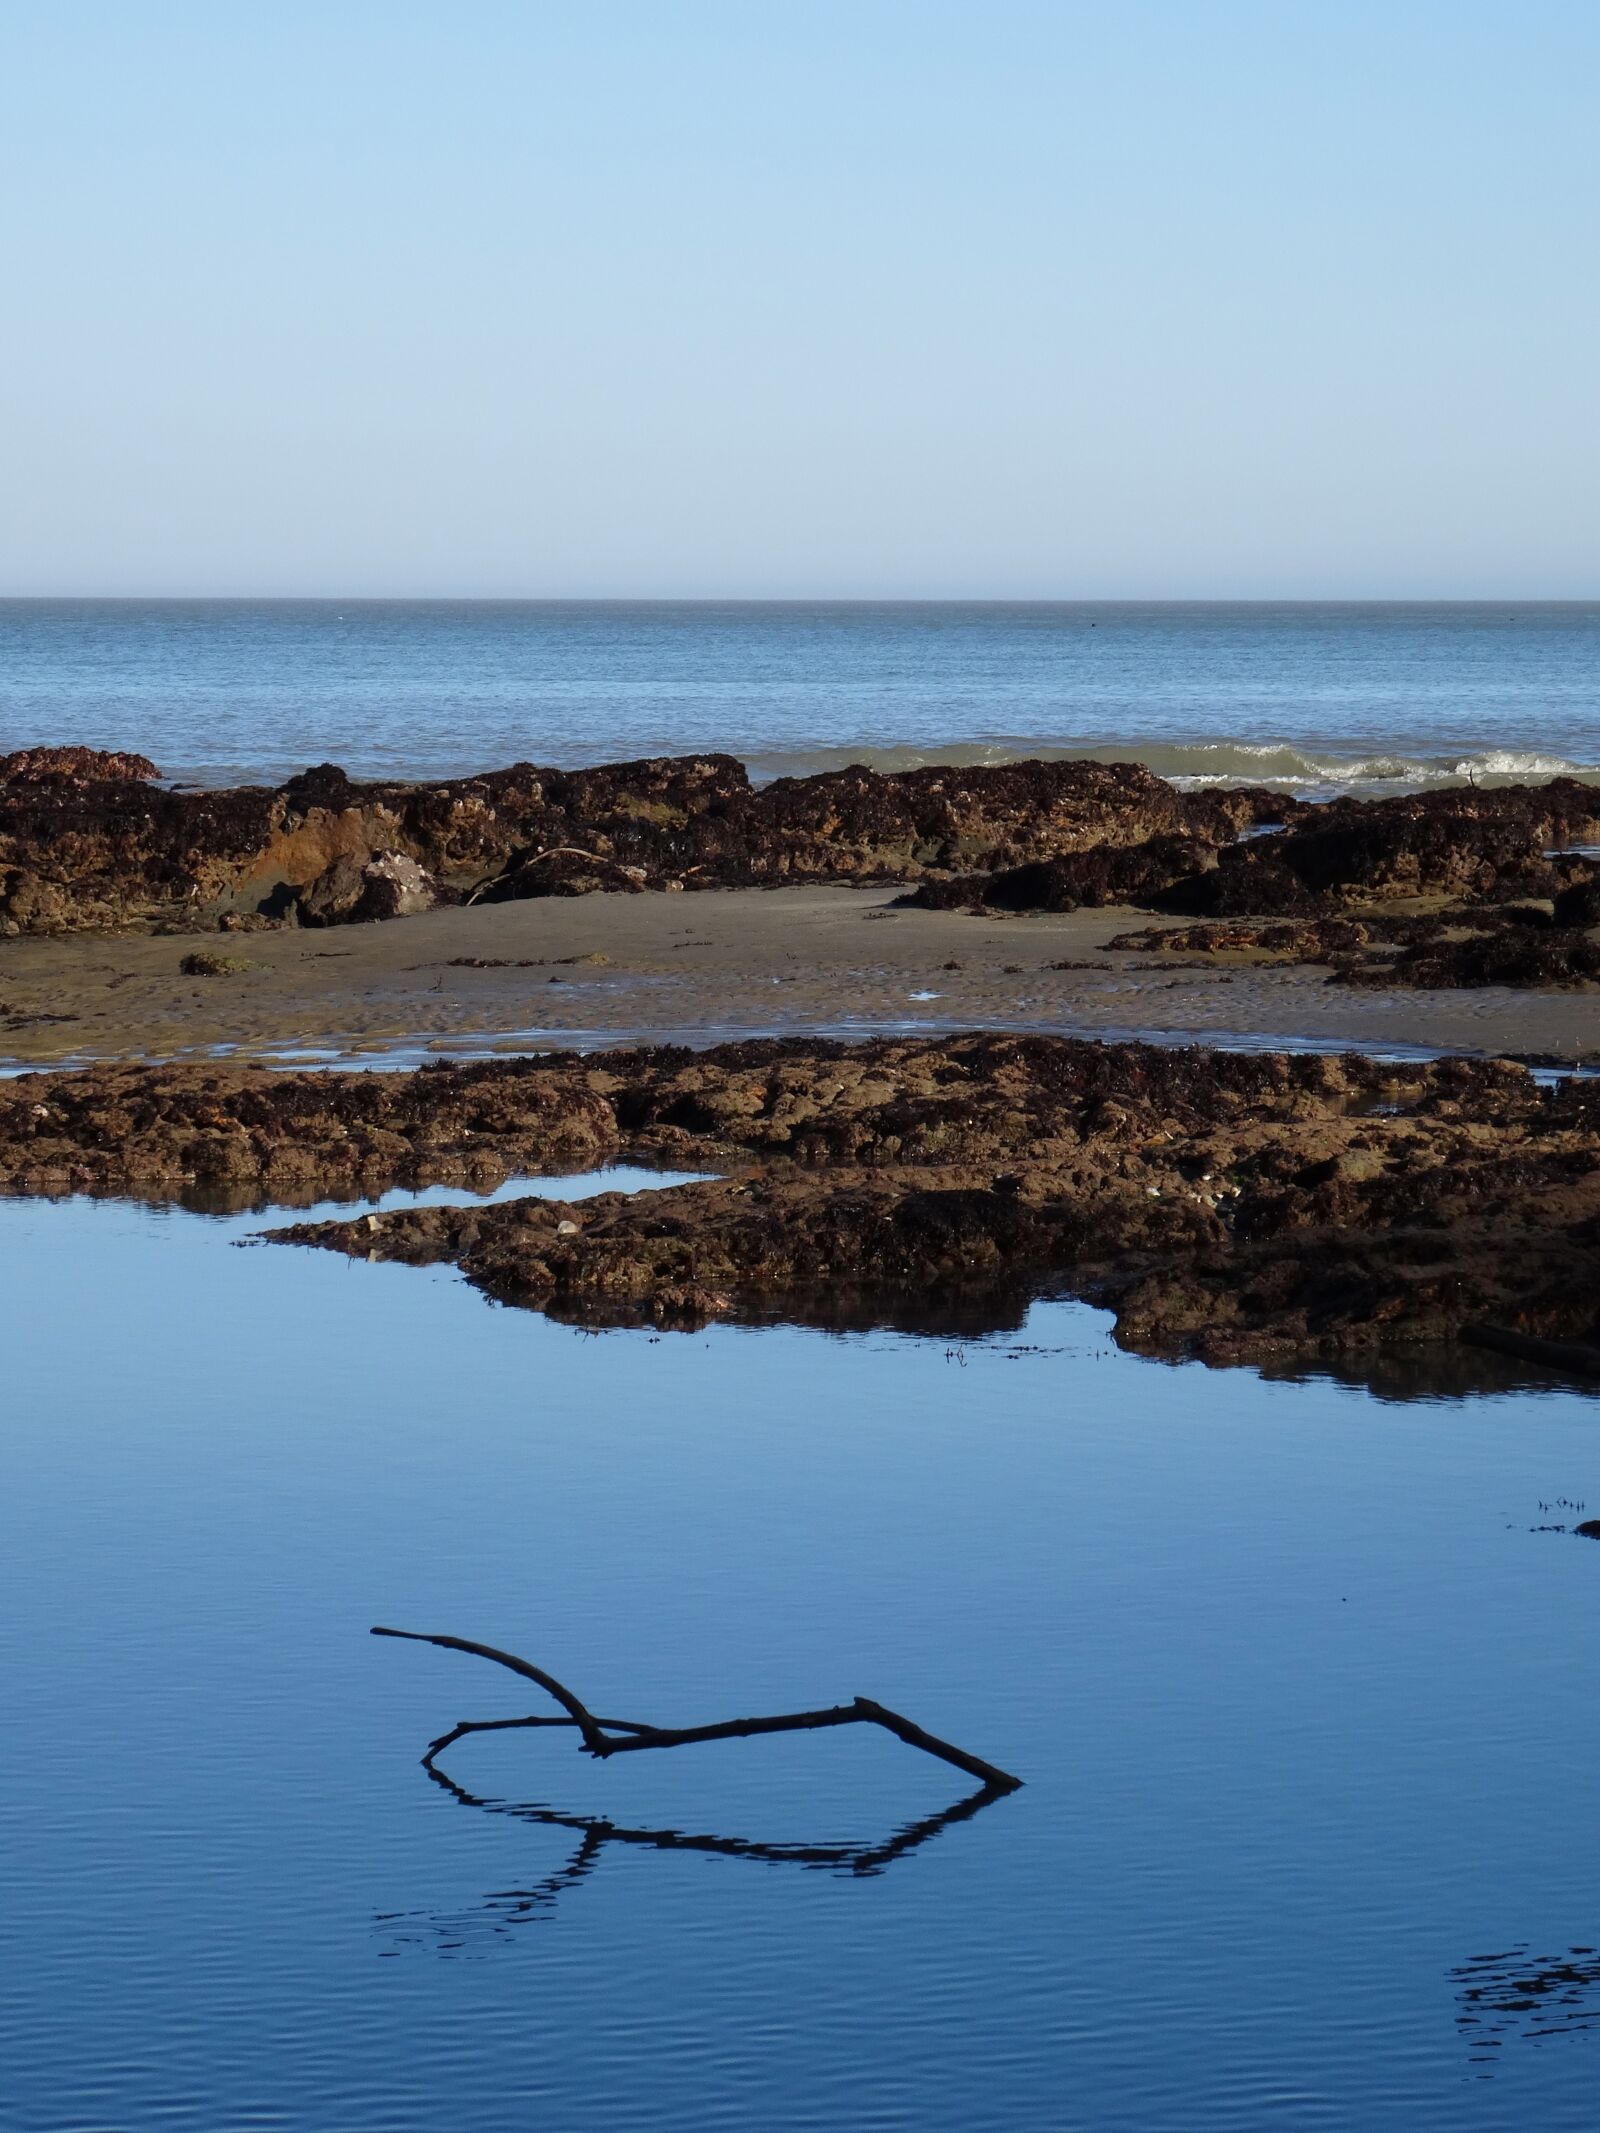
column 788, row 298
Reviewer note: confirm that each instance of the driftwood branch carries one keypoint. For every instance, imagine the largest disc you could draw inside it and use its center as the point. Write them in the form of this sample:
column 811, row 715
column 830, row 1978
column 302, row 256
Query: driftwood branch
column 589, row 1726
column 606, row 1737
column 551, row 851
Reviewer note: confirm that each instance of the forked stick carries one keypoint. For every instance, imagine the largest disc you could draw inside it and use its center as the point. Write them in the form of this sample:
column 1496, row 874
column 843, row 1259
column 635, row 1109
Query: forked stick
column 599, row 1735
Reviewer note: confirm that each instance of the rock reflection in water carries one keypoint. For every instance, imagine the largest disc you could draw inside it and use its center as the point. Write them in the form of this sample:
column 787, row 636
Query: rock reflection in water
column 1515, row 1994
column 498, row 1914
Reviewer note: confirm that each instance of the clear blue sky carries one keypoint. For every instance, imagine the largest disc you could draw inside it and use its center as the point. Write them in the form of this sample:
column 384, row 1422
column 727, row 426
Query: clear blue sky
column 790, row 297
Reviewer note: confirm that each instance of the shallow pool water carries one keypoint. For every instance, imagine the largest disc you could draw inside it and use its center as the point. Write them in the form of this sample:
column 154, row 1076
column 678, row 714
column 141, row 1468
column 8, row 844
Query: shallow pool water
column 1301, row 1696
column 562, row 1185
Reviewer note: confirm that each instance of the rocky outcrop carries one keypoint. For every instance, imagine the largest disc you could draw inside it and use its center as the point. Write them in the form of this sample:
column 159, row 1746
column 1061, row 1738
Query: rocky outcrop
column 1336, row 880
column 1578, row 905
column 104, row 847
column 89, row 840
column 351, row 893
column 1105, row 874
column 1347, row 855
column 1553, row 959
column 1375, row 852
column 73, row 766
column 1235, row 1207
column 1461, row 946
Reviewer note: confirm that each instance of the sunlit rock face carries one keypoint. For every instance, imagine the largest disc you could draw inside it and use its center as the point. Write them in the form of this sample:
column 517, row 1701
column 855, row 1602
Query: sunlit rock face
column 90, row 841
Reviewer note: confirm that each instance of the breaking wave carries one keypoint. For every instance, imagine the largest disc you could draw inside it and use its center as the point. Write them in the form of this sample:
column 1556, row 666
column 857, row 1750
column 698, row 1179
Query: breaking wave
column 1198, row 764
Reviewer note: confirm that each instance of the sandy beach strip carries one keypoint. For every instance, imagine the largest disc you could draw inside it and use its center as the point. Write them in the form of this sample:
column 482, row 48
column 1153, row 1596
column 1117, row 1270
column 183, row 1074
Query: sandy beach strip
column 609, row 969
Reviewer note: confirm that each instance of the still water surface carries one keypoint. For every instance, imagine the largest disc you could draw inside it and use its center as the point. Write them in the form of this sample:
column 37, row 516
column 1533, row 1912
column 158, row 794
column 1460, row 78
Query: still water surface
column 1304, row 1708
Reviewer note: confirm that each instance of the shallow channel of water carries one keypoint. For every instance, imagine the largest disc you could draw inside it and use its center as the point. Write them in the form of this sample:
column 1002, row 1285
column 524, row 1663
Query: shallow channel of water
column 406, row 1054
column 1302, row 1701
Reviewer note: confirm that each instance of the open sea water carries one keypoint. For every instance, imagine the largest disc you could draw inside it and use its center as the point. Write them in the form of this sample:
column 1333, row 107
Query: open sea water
column 1314, row 698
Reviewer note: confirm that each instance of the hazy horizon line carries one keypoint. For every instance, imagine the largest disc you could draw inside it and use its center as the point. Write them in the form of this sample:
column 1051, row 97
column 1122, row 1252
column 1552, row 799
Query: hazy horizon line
column 793, row 600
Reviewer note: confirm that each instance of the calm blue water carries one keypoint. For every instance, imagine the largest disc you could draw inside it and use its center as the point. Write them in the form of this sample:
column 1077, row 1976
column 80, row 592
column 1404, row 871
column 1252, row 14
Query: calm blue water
column 1314, row 697
column 1304, row 1709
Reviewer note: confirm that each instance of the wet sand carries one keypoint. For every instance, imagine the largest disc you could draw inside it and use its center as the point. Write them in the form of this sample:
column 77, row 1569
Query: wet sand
column 700, row 968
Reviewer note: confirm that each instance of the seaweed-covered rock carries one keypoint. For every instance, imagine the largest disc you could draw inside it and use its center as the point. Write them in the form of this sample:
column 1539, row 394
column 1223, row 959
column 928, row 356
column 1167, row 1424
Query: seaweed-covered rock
column 1247, row 881
column 1464, row 946
column 1554, row 960
column 102, row 847
column 1326, row 889
column 1238, row 1207
column 75, row 766
column 562, row 872
column 1578, row 904
column 88, row 840
column 1106, row 874
column 204, row 963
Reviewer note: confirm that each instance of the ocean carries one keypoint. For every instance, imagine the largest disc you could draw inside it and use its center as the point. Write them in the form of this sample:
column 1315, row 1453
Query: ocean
column 1313, row 698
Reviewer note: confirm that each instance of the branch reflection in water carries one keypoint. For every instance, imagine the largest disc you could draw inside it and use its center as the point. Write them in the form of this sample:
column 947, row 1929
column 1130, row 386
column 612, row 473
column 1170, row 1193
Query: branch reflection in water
column 455, row 1932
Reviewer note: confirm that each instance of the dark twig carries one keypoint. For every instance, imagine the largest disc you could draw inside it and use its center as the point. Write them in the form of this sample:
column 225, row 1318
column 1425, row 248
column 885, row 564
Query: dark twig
column 599, row 1734
column 863, row 1711
column 465, row 1726
column 593, row 1739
